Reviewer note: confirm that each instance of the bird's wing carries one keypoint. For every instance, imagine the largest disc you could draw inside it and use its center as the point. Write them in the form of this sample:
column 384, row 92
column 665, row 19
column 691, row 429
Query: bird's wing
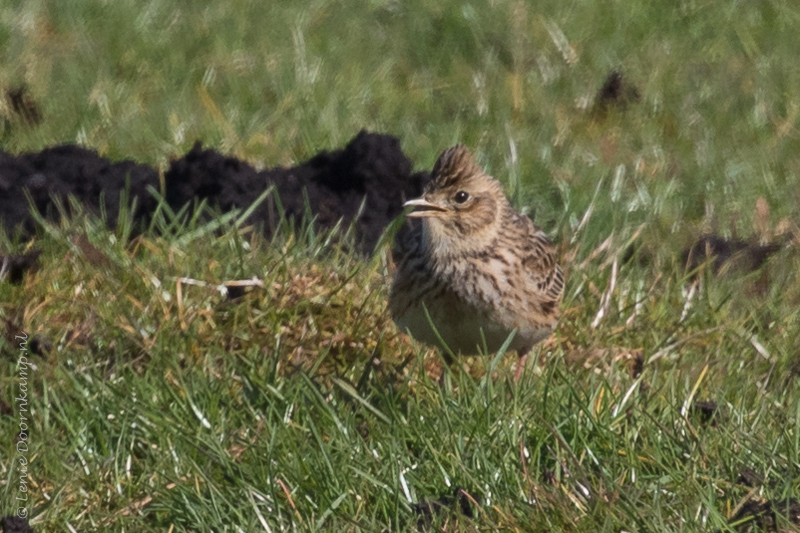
column 539, row 261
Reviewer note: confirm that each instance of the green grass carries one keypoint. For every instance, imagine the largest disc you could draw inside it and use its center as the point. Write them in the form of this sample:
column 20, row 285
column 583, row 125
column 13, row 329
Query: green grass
column 161, row 405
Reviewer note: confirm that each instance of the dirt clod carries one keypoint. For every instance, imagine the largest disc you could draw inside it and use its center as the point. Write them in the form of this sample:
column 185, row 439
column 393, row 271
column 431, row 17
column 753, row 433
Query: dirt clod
column 461, row 501
column 749, row 478
column 14, row 267
column 708, row 411
column 768, row 515
column 727, row 254
column 41, row 345
column 616, row 91
column 636, row 364
column 23, row 104
column 15, row 524
column 93, row 256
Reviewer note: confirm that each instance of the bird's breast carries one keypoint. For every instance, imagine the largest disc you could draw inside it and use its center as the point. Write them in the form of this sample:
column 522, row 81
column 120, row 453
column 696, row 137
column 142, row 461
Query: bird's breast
column 468, row 308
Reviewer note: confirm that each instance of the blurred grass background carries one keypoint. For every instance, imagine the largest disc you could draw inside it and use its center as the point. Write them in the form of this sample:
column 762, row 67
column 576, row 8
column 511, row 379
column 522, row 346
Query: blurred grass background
column 276, row 83
column 161, row 406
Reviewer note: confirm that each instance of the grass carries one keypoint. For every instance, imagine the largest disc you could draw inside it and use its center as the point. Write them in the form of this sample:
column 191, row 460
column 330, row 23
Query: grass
column 162, row 405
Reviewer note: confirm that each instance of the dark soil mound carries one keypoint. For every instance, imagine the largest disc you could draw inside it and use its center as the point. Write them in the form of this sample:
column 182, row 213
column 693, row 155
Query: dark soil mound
column 69, row 170
column 332, row 185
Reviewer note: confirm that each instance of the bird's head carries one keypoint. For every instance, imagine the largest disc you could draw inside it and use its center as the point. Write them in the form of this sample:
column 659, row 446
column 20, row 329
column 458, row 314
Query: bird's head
column 462, row 206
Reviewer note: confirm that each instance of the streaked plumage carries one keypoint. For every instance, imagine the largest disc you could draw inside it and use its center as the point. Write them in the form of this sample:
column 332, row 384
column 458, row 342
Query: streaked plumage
column 479, row 268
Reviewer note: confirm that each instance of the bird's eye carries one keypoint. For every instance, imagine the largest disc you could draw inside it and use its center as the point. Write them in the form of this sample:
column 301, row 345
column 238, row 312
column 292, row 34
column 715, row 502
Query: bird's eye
column 461, row 197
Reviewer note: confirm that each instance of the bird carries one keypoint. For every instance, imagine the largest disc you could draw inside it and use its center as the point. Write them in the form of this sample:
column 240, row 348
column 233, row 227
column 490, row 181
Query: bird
column 469, row 269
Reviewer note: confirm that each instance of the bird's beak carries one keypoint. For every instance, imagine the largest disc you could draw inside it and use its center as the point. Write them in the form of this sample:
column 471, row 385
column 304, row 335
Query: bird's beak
column 423, row 208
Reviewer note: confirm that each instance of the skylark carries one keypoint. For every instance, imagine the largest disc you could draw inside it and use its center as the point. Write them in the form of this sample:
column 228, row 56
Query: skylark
column 473, row 267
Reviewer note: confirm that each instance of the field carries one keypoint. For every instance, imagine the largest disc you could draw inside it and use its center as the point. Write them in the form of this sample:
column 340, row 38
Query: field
column 667, row 399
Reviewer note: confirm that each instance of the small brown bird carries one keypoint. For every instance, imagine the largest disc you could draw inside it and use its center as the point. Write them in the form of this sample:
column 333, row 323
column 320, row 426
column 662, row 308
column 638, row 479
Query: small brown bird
column 474, row 268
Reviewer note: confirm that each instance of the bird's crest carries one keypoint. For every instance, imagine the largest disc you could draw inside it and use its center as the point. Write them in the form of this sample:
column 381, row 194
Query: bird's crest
column 453, row 166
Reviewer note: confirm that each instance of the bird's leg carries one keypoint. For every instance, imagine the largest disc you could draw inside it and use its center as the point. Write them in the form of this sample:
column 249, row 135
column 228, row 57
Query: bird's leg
column 523, row 358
